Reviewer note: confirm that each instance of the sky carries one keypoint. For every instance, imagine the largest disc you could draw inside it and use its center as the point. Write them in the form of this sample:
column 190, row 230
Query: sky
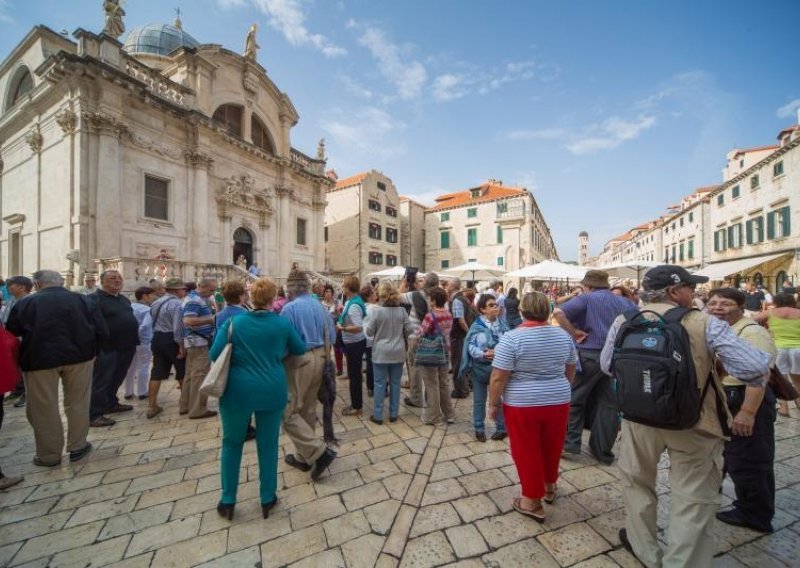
column 608, row 111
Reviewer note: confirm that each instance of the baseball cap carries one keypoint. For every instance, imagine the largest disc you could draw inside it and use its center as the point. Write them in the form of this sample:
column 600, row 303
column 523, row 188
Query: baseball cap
column 667, row 275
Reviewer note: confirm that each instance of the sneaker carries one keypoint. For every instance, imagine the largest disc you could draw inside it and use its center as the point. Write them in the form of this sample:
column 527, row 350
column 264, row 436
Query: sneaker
column 40, row 463
column 480, row 436
column 143, row 397
column 20, row 402
column 80, row 454
column 206, row 414
column 375, row 420
column 451, row 419
column 102, row 421
column 499, row 436
column 322, row 463
column 119, row 408
column 9, row 481
column 350, row 411
column 154, row 411
column 736, row 519
column 408, row 402
column 393, row 418
column 456, row 394
column 128, row 396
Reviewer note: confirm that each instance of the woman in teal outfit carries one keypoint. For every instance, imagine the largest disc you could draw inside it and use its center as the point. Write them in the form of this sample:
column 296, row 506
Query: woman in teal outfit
column 256, row 385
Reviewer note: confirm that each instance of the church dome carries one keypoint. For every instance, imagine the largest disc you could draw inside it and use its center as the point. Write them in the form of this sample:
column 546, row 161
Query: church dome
column 158, row 39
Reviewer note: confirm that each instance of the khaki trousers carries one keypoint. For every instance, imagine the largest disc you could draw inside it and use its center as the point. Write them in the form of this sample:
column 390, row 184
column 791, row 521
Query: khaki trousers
column 414, row 377
column 437, row 387
column 42, row 410
column 197, row 366
column 300, row 417
column 695, row 477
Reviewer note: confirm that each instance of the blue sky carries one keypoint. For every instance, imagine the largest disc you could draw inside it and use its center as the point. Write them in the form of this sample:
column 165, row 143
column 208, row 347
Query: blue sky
column 608, row 111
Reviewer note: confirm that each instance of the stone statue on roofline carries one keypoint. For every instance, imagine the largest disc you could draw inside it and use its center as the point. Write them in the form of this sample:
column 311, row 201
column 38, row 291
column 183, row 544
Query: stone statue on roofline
column 114, row 26
column 250, row 46
column 321, row 150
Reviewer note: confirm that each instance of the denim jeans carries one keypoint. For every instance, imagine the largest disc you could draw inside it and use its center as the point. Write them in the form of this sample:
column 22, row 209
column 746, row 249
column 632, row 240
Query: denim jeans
column 387, row 372
column 480, row 392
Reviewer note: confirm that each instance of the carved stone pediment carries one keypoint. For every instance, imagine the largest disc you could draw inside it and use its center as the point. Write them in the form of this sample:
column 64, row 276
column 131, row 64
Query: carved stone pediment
column 240, row 192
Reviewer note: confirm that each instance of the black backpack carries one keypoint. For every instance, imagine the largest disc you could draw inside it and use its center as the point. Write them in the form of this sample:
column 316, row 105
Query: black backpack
column 654, row 371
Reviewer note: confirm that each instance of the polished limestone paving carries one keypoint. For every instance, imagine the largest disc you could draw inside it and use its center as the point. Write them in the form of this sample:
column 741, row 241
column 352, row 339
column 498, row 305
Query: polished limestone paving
column 402, row 494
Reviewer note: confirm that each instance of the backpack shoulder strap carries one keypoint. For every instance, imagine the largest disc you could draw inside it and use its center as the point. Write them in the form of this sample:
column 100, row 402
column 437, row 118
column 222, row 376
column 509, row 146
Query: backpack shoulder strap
column 676, row 314
column 631, row 314
column 745, row 327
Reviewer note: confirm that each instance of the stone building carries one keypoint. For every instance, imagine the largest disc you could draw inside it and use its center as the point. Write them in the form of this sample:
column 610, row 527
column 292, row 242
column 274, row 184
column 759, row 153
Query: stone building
column 491, row 224
column 583, row 248
column 114, row 154
column 412, row 233
column 362, row 225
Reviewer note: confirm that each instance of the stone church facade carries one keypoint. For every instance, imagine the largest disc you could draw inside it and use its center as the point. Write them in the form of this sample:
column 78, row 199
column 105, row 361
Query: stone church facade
column 159, row 156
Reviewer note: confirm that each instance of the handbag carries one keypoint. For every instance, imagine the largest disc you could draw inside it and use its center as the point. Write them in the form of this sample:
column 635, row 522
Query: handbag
column 326, row 394
column 9, row 361
column 431, row 349
column 217, row 378
column 783, row 388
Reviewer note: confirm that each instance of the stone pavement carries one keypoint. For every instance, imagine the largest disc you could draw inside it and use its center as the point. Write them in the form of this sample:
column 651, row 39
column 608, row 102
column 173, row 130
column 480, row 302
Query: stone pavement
column 402, row 494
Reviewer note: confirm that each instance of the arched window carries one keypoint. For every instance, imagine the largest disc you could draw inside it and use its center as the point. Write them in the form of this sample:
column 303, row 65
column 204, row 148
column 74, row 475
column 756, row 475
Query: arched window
column 230, row 117
column 260, row 135
column 21, row 84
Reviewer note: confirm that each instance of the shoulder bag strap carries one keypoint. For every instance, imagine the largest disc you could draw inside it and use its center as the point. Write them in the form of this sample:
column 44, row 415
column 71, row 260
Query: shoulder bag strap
column 327, row 339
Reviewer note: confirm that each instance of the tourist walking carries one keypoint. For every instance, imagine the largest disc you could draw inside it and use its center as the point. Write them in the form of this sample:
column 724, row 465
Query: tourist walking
column 513, row 317
column 257, row 384
column 587, row 318
column 388, row 326
column 479, row 351
column 234, row 294
column 312, row 323
column 417, row 301
column 59, row 334
column 463, row 317
column 135, row 383
column 750, row 452
column 370, row 296
column 695, row 454
column 533, row 366
column 167, row 344
column 198, row 334
column 351, row 324
column 437, row 322
column 117, row 349
column 784, row 325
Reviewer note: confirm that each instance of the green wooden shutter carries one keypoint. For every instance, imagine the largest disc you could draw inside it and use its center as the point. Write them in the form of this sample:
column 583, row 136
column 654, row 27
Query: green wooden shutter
column 760, row 232
column 716, row 241
column 444, row 239
column 786, row 213
column 771, row 225
column 739, row 231
column 730, row 236
column 499, row 235
column 749, row 231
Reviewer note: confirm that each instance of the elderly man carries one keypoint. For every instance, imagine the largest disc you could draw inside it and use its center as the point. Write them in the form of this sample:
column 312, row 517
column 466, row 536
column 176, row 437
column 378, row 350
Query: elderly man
column 89, row 285
column 312, row 322
column 418, row 302
column 167, row 343
column 695, row 453
column 59, row 342
column 749, row 457
column 587, row 318
column 198, row 334
column 117, row 349
column 158, row 288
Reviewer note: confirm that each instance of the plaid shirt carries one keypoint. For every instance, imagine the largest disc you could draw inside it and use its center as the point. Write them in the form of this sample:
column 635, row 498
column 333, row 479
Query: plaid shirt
column 444, row 321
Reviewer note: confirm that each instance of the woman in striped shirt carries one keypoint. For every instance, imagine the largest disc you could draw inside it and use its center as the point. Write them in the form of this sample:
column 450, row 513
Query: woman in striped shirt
column 533, row 367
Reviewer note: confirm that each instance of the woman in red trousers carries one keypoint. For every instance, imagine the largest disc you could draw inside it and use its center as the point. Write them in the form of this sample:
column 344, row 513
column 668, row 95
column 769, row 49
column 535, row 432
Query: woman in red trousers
column 532, row 370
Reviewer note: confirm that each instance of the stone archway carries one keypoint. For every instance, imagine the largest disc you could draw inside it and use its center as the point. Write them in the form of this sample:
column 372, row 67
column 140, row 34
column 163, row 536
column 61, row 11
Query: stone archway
column 243, row 245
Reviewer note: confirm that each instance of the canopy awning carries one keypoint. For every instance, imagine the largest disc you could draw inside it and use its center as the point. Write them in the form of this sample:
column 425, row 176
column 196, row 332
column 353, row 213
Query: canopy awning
column 721, row 270
column 396, row 272
column 550, row 270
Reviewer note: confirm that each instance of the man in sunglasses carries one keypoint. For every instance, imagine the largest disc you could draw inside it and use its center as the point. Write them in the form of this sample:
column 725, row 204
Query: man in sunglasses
column 695, row 453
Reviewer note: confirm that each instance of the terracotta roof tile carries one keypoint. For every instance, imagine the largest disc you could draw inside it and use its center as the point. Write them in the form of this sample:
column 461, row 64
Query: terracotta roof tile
column 758, row 149
column 352, row 180
column 705, row 189
column 489, row 192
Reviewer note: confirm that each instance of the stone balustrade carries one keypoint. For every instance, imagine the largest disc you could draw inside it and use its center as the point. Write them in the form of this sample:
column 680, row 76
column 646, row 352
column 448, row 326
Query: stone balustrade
column 139, row 271
column 157, row 83
column 307, row 163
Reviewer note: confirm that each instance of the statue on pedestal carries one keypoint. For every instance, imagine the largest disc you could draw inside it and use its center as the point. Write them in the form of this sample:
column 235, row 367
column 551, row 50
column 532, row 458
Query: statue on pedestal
column 114, row 27
column 321, row 150
column 250, row 46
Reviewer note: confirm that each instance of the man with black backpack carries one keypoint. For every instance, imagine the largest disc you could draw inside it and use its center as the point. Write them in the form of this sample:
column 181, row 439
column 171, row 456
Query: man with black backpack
column 662, row 360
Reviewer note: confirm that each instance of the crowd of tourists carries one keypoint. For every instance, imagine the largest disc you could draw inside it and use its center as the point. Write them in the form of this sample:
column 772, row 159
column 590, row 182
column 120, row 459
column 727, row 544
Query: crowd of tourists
column 541, row 367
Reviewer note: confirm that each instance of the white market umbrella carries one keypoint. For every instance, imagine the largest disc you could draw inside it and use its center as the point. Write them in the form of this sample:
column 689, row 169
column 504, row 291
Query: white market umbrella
column 550, row 270
column 631, row 269
column 396, row 272
column 474, row 271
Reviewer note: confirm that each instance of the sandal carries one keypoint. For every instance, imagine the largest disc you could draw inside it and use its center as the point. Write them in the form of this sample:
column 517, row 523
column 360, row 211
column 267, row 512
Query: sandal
column 550, row 496
column 535, row 514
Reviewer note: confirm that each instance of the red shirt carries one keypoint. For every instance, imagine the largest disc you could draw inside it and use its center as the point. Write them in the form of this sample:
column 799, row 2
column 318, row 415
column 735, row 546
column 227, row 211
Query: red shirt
column 444, row 323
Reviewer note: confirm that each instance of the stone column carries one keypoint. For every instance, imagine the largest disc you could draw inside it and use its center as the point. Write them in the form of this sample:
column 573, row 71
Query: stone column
column 199, row 166
column 286, row 229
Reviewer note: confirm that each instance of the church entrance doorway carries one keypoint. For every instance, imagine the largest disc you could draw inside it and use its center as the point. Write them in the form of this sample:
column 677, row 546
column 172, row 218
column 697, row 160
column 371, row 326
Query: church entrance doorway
column 242, row 247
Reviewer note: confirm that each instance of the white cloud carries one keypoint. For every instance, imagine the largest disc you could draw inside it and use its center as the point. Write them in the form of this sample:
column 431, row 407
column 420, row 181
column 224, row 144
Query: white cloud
column 355, row 88
column 611, row 133
column 287, row 17
column 789, row 110
column 541, row 134
column 449, row 87
column 365, row 132
column 408, row 77
column 5, row 9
